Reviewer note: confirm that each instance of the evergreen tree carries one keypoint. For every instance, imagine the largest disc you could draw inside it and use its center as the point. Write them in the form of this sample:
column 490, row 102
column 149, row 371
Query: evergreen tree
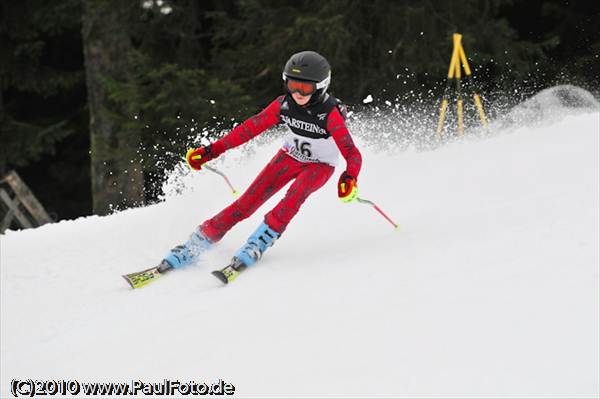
column 34, row 73
column 42, row 102
column 116, row 172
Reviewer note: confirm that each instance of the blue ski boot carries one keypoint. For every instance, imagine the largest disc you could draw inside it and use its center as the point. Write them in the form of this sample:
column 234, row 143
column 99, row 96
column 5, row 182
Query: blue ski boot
column 183, row 255
column 263, row 238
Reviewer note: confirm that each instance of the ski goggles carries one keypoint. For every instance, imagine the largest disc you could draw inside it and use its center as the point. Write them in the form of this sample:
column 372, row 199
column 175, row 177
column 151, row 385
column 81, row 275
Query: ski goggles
column 301, row 86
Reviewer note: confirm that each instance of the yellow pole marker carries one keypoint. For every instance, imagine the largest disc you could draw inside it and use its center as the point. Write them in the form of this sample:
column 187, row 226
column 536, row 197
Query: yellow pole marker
column 482, row 117
column 458, row 63
column 476, row 98
column 440, row 126
column 455, row 54
column 453, row 61
column 457, row 70
column 465, row 63
column 459, row 112
column 457, row 74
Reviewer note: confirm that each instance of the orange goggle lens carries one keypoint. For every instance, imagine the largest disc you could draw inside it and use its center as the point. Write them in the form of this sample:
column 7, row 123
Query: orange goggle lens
column 304, row 88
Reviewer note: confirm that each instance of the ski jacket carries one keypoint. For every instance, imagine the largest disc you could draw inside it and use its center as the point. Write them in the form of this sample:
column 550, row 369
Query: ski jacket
column 316, row 133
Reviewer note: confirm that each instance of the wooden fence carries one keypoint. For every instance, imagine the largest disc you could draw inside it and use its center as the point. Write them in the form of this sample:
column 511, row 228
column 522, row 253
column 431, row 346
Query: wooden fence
column 18, row 206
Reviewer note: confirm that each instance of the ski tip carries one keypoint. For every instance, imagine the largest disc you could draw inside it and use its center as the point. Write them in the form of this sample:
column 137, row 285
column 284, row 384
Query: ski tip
column 219, row 274
column 143, row 278
column 128, row 281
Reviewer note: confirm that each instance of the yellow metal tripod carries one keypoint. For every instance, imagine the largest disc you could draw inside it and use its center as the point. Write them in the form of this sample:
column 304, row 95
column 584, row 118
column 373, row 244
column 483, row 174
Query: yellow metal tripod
column 454, row 72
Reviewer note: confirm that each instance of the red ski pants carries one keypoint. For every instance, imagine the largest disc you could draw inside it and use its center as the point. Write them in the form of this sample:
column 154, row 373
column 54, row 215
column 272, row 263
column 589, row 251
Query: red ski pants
column 309, row 177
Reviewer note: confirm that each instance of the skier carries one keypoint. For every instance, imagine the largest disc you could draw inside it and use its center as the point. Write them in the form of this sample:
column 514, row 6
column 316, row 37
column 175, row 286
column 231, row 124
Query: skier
column 317, row 134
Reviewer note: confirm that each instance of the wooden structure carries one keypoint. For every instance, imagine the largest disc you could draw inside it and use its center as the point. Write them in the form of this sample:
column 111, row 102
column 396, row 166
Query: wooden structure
column 18, row 205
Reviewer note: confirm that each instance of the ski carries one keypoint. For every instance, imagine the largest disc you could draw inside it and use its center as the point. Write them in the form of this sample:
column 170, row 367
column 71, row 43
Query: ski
column 145, row 277
column 220, row 275
column 229, row 272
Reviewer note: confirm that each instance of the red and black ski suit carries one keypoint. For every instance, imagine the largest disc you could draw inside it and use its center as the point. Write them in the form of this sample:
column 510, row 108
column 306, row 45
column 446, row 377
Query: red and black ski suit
column 317, row 134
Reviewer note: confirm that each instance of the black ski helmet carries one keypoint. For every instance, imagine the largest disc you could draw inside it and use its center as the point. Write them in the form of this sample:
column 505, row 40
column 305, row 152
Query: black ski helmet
column 309, row 66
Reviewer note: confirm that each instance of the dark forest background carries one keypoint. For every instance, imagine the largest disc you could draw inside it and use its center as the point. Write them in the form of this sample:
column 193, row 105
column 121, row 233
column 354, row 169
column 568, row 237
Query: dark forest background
column 97, row 97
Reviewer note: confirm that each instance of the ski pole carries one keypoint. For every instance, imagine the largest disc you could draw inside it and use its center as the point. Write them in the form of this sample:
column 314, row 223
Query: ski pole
column 233, row 190
column 364, row 201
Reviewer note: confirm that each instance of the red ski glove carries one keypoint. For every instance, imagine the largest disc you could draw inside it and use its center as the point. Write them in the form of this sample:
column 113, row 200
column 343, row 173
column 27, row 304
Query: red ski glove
column 198, row 157
column 347, row 188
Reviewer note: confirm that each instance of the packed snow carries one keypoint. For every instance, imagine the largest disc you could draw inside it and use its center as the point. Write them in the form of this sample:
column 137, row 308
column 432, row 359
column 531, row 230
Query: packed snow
column 489, row 288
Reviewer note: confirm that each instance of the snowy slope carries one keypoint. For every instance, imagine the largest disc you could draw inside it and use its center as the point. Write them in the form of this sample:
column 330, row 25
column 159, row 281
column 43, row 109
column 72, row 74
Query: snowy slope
column 489, row 289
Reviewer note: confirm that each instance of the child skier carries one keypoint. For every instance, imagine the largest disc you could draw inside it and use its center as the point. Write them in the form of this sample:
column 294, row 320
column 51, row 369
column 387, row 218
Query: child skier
column 317, row 134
